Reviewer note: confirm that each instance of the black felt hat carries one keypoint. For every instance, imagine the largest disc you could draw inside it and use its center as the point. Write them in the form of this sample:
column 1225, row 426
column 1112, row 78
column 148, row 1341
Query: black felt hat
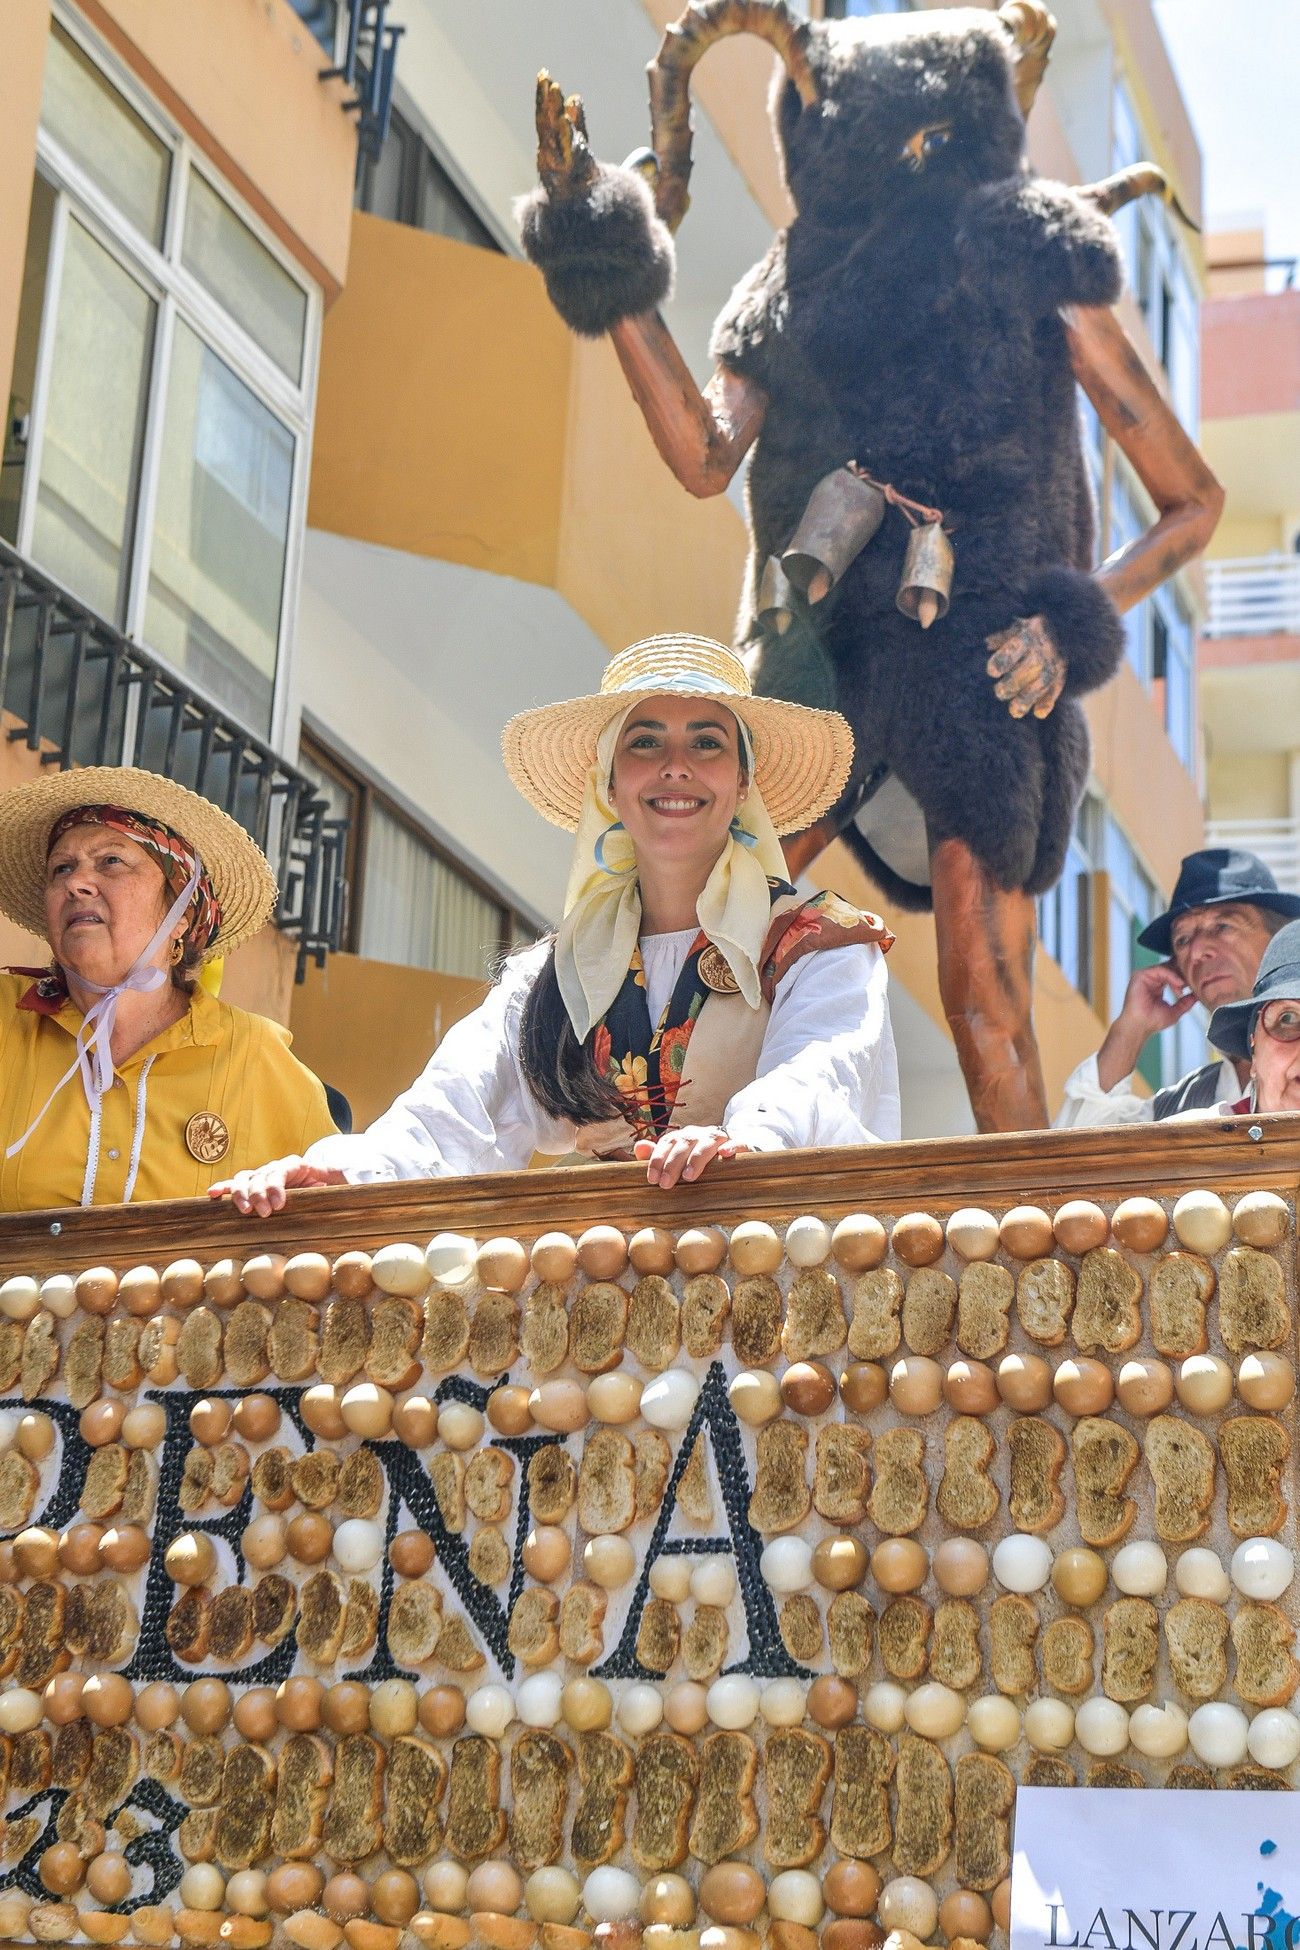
column 1217, row 876
column 1278, row 981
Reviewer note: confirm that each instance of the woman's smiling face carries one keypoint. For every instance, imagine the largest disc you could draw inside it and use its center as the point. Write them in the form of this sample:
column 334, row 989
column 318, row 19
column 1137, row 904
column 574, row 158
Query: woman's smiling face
column 677, row 778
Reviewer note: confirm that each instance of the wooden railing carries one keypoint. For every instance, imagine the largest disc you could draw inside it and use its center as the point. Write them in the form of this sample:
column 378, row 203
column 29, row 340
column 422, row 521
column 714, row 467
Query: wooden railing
column 641, row 1570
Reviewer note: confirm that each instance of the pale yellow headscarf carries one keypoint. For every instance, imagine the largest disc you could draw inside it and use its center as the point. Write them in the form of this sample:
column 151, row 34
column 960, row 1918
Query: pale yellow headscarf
column 602, row 903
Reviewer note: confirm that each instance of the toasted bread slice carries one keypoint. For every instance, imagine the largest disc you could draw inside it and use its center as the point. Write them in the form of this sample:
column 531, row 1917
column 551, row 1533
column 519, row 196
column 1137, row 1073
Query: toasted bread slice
column 293, row 1344
column 605, row 1774
column 396, row 1329
column 1254, row 1779
column 694, row 1488
column 489, row 1484
column 1181, row 1461
column 875, row 1329
column 122, row 1368
column 1182, row 1286
column 851, row 1630
column 905, row 1637
column 900, row 1499
column 360, row 1619
column 11, row 1351
column 352, row 1828
column 704, row 1642
column 1013, row 1633
column 1046, row 1770
column 842, row 1473
column 924, row 1819
column 1108, row 1305
column 814, row 1316
column 929, row 1305
column 345, row 1341
column 1185, row 1775
column 489, row 1555
column 1252, row 1301
column 1130, row 1647
column 201, row 1769
column 140, row 1492
column 40, row 1356
column 494, row 1334
column 1267, row 1675
column 230, row 1624
column 247, row 1333
column 1105, row 1456
column 414, row 1783
column 597, row 1326
column 801, row 1628
column 275, row 1606
column 198, row 1350
column 243, row 1831
column 447, row 1480
column 457, row 1648
column 667, row 1775
column 446, row 1331
column 105, row 1483
column 1196, row 1637
column 985, row 1795
column 83, row 1362
column 1111, row 1774
column 1068, row 1646
column 864, row 1767
column 19, row 1486
column 414, row 1622
column 756, row 1311
column 315, row 1477
column 540, row 1768
column 607, row 1483
column 955, row 1645
column 1037, row 1458
column 659, row 1636
column 968, row 1497
column 321, row 1600
column 781, row 1498
column 725, row 1819
column 41, row 1635
column 552, row 1483
column 582, row 1618
column 706, row 1304
column 271, row 1476
column 1045, row 1300
column 1254, row 1449
column 544, row 1335
column 654, row 1326
column 476, row 1827
column 360, row 1491
column 796, row 1768
column 984, row 1295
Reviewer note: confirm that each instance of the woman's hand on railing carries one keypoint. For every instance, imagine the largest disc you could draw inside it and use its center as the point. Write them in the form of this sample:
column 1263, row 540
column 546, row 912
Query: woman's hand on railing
column 263, row 1191
column 686, row 1152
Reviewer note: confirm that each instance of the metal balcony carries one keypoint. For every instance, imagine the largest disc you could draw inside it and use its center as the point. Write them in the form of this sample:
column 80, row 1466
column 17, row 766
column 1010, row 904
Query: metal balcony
column 1254, row 595
column 83, row 694
column 1274, row 841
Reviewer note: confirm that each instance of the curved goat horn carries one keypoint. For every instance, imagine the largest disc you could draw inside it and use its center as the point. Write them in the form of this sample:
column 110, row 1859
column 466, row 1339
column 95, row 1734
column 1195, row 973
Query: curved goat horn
column 685, row 41
column 1031, row 30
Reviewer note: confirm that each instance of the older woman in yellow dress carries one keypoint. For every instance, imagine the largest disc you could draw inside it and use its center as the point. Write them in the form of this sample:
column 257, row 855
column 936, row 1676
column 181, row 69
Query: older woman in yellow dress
column 121, row 1076
column 691, row 1004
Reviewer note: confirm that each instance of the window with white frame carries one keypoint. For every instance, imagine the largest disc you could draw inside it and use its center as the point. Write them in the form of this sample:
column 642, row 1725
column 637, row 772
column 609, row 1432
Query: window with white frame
column 1158, row 273
column 155, row 454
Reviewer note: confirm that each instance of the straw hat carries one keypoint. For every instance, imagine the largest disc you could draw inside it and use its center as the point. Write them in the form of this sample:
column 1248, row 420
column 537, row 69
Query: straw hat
column 241, row 878
column 801, row 756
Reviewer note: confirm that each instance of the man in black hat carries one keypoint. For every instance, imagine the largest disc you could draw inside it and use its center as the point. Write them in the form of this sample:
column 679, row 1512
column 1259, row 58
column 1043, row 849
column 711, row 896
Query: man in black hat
column 1225, row 910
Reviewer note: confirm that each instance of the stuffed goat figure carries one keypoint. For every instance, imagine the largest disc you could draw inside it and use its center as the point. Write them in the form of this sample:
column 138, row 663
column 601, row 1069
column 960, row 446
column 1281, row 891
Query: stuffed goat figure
column 903, row 364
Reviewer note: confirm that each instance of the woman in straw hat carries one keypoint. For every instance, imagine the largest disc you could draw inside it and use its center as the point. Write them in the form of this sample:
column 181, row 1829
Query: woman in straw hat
column 135, row 883
column 682, row 1012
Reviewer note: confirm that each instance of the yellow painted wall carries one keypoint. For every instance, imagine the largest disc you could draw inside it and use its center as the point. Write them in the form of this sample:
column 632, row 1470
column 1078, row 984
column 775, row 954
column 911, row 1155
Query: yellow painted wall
column 1247, row 535
column 242, row 78
column 24, row 30
column 369, row 1027
column 459, row 452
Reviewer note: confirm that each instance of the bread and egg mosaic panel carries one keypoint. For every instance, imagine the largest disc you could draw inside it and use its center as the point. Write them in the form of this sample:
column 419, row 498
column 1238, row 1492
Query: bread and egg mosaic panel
column 712, row 1590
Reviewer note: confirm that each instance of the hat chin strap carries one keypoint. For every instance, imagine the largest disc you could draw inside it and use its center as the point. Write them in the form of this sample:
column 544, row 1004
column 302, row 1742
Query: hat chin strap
column 93, row 1056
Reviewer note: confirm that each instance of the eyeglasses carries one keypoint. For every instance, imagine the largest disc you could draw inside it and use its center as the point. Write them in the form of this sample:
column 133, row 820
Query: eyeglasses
column 1280, row 1020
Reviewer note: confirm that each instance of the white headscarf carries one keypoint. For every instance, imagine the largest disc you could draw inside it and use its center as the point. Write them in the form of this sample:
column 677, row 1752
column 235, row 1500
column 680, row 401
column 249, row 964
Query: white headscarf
column 602, row 903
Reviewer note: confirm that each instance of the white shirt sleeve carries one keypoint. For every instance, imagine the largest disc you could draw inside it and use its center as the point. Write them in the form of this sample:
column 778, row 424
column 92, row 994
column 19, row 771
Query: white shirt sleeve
column 827, row 1073
column 469, row 1110
column 1087, row 1105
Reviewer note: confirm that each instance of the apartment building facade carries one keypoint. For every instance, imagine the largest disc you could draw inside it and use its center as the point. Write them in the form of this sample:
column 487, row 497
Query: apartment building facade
column 302, row 499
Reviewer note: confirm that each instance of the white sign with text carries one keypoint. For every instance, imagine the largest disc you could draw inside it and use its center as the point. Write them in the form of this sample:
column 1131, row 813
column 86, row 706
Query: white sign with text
column 1150, row 1869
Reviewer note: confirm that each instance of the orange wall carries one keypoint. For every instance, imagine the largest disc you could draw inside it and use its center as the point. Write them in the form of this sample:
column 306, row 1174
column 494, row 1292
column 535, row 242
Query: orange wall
column 459, row 452
column 1250, row 355
column 24, row 30
column 1152, row 797
column 368, row 1027
column 242, row 78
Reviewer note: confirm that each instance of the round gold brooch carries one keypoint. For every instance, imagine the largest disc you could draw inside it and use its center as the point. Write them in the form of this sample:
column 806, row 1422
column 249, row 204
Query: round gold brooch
column 715, row 972
column 207, row 1137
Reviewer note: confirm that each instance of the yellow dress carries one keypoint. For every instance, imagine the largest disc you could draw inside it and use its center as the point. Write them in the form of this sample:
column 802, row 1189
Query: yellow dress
column 220, row 1083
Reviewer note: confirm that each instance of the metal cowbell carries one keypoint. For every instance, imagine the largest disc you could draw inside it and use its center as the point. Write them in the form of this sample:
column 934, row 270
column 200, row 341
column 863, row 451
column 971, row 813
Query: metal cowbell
column 843, row 513
column 777, row 598
column 927, row 575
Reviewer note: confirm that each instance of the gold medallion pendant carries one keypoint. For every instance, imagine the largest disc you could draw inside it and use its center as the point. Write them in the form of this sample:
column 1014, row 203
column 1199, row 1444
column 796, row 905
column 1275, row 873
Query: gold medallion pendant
column 207, row 1137
column 715, row 972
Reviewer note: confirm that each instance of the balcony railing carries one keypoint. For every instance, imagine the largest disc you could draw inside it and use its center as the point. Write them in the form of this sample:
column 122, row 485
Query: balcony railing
column 1274, row 841
column 85, row 695
column 1254, row 595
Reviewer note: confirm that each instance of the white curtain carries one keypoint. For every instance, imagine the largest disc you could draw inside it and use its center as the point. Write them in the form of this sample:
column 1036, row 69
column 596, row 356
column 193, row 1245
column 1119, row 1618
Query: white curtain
column 417, row 910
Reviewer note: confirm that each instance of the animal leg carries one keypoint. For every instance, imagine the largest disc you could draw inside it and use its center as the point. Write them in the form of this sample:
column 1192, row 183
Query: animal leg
column 986, row 961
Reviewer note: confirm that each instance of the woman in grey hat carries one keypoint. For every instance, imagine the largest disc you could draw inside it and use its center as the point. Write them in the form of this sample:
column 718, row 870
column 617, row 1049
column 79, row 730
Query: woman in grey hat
column 1265, row 1030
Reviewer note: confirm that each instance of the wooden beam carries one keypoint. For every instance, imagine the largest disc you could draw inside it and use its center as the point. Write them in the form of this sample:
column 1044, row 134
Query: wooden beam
column 1040, row 1167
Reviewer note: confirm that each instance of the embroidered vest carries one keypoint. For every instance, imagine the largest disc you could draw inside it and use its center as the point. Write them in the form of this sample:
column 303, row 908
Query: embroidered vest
column 706, row 1046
